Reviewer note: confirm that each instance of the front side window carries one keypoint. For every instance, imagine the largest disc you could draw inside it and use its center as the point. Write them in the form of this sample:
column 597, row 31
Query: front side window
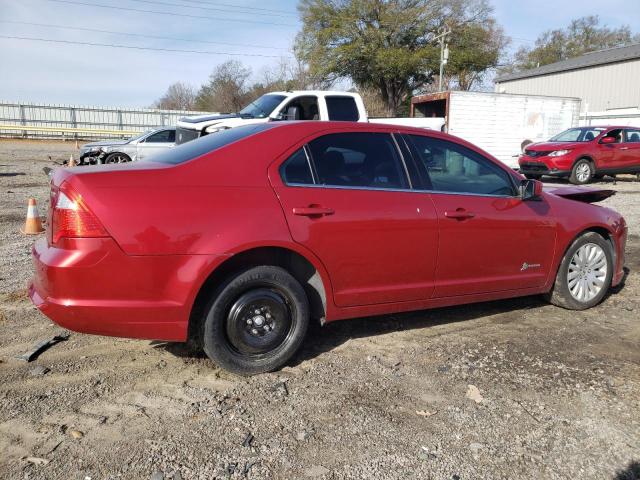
column 300, row 108
column 358, row 160
column 342, row 108
column 452, row 168
column 296, row 169
column 165, row 136
column 633, row 135
column 616, row 133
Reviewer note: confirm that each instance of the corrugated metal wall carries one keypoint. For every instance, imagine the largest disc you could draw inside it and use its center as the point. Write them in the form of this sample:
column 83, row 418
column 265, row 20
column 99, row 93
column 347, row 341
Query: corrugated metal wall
column 601, row 88
column 74, row 116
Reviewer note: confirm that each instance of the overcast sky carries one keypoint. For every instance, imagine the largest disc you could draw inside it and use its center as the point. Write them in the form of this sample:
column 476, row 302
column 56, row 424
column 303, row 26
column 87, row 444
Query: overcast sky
column 33, row 71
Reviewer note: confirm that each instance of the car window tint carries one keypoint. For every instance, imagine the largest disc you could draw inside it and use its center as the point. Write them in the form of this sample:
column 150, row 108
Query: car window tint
column 296, row 169
column 209, row 143
column 633, row 135
column 162, row 137
column 453, row 168
column 342, row 108
column 358, row 160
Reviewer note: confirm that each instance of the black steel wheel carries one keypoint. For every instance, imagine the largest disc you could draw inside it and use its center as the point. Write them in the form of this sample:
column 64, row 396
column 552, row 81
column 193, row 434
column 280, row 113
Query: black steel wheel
column 256, row 321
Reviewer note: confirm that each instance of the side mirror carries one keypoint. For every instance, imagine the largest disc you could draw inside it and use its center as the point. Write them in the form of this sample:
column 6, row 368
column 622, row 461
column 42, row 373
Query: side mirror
column 608, row 140
column 530, row 190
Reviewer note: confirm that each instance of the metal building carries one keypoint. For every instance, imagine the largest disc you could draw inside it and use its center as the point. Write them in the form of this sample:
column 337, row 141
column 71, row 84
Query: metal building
column 605, row 80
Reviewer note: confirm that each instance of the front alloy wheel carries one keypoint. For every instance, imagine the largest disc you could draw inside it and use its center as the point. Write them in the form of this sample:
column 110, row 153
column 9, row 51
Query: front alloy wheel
column 585, row 274
column 582, row 172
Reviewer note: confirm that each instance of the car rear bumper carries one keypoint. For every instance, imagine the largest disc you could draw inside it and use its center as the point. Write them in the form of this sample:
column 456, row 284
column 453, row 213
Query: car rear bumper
column 90, row 285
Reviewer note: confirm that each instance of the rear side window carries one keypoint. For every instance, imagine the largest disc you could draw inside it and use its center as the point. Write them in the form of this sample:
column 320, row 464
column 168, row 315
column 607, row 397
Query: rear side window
column 209, row 143
column 296, row 169
column 358, row 160
column 342, row 108
column 452, row 168
column 633, row 135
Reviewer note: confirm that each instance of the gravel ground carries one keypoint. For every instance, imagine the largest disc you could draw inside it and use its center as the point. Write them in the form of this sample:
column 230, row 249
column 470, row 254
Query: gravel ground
column 507, row 389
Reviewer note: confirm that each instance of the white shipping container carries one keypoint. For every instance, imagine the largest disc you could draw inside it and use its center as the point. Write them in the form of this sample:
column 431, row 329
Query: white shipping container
column 498, row 122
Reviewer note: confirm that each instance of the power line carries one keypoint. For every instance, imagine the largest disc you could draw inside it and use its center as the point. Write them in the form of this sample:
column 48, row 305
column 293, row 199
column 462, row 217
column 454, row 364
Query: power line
column 200, row 7
column 173, row 14
column 133, row 47
column 200, row 2
column 68, row 27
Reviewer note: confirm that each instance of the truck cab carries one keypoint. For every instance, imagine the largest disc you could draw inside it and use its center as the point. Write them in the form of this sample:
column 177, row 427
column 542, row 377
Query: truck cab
column 295, row 105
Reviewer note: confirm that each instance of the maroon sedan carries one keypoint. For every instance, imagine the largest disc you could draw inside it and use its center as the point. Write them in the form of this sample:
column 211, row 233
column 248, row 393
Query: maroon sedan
column 584, row 153
column 237, row 240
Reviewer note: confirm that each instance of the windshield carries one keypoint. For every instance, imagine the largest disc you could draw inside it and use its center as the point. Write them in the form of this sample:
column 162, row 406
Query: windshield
column 263, row 106
column 138, row 137
column 585, row 134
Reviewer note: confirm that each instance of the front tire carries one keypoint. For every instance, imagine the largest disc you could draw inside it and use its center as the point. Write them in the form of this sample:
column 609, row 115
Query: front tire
column 256, row 322
column 585, row 274
column 581, row 172
column 117, row 157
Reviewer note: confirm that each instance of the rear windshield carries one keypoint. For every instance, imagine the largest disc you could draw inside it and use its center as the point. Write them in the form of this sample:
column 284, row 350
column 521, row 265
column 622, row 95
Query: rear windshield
column 196, row 148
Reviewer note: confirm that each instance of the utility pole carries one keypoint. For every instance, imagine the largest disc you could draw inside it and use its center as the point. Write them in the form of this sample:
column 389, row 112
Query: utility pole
column 444, row 52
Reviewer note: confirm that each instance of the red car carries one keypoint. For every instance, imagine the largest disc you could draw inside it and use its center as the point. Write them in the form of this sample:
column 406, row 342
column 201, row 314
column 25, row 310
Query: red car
column 238, row 239
column 584, row 153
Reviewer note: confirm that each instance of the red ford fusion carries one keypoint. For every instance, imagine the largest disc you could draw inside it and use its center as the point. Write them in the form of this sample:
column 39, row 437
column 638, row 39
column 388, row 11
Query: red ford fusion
column 584, row 153
column 236, row 241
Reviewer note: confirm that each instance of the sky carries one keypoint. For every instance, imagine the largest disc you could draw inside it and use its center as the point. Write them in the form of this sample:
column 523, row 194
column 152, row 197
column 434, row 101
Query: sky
column 258, row 32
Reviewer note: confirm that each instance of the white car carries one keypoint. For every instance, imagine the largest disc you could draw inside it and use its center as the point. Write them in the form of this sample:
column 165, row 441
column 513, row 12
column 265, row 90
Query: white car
column 140, row 147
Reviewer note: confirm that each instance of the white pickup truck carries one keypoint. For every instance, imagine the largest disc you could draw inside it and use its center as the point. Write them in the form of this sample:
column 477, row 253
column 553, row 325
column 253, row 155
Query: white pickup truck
column 295, row 105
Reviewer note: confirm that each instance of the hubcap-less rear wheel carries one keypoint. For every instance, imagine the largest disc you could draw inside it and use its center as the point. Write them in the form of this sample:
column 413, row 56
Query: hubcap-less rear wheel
column 259, row 321
column 256, row 321
column 587, row 272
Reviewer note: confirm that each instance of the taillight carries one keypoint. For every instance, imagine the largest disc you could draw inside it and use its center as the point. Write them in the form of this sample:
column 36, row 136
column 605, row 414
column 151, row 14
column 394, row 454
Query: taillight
column 71, row 218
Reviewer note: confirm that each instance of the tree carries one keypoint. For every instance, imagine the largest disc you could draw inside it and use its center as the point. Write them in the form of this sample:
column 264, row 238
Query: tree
column 583, row 35
column 179, row 96
column 474, row 49
column 227, row 89
column 385, row 44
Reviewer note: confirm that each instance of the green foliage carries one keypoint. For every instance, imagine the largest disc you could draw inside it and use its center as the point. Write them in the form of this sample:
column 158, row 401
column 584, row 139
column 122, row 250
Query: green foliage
column 583, row 35
column 388, row 44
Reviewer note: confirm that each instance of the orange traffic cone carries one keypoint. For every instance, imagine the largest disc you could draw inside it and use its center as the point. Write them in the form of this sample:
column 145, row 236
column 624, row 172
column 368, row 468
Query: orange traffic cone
column 33, row 225
column 72, row 162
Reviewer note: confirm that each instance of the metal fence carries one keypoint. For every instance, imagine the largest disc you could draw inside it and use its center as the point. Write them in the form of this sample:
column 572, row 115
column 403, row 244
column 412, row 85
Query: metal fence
column 81, row 122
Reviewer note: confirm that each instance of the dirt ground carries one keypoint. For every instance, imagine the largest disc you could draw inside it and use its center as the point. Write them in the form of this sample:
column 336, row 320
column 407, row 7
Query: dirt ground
column 507, row 389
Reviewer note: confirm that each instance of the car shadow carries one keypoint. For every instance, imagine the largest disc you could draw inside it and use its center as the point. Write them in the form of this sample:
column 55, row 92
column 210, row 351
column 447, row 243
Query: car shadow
column 631, row 472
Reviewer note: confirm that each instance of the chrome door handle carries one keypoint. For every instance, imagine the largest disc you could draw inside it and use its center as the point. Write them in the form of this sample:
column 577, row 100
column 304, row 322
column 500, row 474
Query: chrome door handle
column 624, row 148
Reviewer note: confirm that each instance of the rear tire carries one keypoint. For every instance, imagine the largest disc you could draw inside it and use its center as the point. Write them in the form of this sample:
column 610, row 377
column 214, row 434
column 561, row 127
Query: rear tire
column 585, row 274
column 581, row 172
column 256, row 321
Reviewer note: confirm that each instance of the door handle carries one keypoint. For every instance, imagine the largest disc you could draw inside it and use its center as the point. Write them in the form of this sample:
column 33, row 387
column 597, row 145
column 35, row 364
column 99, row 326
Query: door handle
column 459, row 214
column 624, row 148
column 313, row 211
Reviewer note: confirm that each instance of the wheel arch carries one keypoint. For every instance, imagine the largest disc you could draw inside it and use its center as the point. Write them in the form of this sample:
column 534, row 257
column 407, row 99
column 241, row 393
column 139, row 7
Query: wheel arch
column 585, row 157
column 304, row 267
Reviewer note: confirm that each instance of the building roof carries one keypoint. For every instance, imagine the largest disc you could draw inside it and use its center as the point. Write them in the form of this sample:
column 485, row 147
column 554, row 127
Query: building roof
column 593, row 59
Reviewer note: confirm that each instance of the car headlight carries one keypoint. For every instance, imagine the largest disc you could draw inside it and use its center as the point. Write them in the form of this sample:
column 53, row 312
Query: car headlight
column 559, row 153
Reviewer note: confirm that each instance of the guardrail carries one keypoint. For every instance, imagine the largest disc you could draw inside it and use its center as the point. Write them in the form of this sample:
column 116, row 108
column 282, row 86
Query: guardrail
column 27, row 128
column 31, row 120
